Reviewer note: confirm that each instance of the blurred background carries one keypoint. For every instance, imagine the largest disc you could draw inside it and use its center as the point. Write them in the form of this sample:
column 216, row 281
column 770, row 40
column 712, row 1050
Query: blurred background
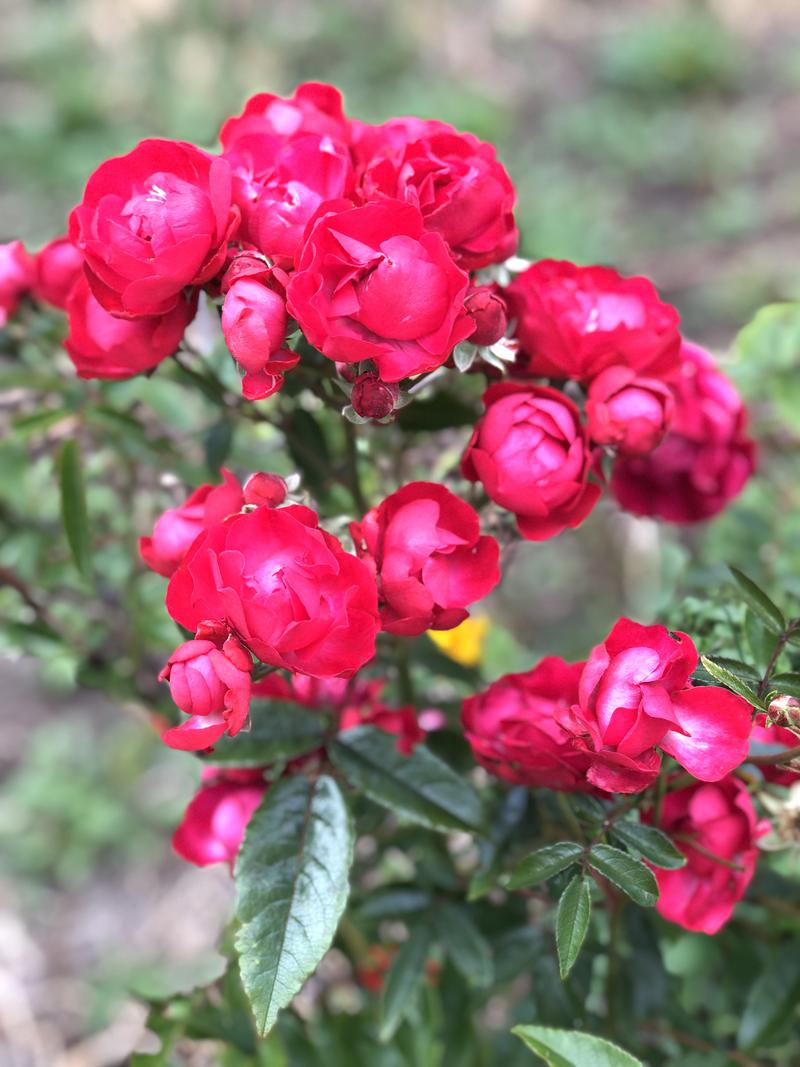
column 660, row 136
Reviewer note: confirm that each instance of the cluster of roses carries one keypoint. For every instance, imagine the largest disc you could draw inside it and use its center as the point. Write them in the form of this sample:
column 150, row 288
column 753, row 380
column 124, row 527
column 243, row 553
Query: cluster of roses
column 601, row 726
column 382, row 243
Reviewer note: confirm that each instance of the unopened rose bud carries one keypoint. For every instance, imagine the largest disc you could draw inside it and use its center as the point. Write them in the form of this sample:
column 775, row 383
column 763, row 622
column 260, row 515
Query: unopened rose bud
column 488, row 311
column 628, row 413
column 784, row 709
column 373, row 398
column 58, row 265
column 246, row 265
column 265, row 488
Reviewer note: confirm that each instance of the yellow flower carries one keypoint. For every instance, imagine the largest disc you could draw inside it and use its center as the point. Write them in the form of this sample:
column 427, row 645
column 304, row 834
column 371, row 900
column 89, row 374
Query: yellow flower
column 464, row 643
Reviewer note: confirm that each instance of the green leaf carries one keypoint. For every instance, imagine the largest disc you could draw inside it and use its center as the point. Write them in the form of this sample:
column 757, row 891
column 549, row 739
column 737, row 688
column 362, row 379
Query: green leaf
column 308, row 447
column 572, row 922
column 571, row 1048
column 787, row 682
column 626, row 873
column 291, row 889
column 74, row 513
column 280, row 731
column 465, row 945
column 404, row 978
column 772, row 999
column 420, row 786
column 217, row 443
column 544, row 863
column 649, row 842
column 731, row 681
column 758, row 602
column 440, row 412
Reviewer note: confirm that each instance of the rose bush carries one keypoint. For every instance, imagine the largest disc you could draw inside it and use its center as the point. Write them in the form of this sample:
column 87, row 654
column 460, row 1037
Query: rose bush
column 389, row 762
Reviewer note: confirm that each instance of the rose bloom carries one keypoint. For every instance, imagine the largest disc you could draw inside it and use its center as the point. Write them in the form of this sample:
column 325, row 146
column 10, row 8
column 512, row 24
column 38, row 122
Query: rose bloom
column 456, row 181
column 213, row 825
column 278, row 186
column 17, row 276
column 254, row 322
column 314, row 107
column 426, row 551
column 635, row 693
column 573, row 322
column 775, row 737
column 705, row 459
column 152, row 222
column 58, row 266
column 513, row 729
column 628, row 413
column 209, row 680
column 286, row 588
column 371, row 283
column 721, row 820
column 531, row 454
column 177, row 528
column 103, row 346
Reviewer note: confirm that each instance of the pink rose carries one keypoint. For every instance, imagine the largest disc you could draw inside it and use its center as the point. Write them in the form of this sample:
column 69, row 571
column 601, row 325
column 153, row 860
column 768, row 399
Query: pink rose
column 17, row 277
column 628, row 413
column 213, row 825
column 254, row 322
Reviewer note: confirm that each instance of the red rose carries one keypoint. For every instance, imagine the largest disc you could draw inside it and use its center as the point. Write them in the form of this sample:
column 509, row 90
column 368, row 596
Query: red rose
column 279, row 185
column 373, row 398
column 17, row 276
column 635, row 693
column 103, row 346
column 265, row 488
column 574, row 322
column 58, row 266
column 705, row 459
column 286, row 588
column 454, row 179
column 530, row 452
column 314, row 108
column 214, row 823
column 774, row 737
column 254, row 322
column 425, row 547
column 209, row 680
column 628, row 413
column 513, row 731
column 153, row 222
column 721, row 820
column 177, row 528
column 487, row 309
column 402, row 722
column 372, row 284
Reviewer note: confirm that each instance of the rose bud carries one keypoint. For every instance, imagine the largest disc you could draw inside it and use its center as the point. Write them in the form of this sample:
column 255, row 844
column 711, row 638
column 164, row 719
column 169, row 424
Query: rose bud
column 264, row 488
column 372, row 283
column 106, row 347
column 288, row 589
column 210, row 682
column 628, row 413
column 175, row 530
column 574, row 322
column 425, row 548
column 764, row 733
column 153, row 222
column 58, row 266
column 17, row 276
column 635, row 693
column 512, row 728
column 213, row 825
column 530, row 452
column 721, row 821
column 372, row 398
column 254, row 323
column 487, row 310
column 706, row 457
column 248, row 264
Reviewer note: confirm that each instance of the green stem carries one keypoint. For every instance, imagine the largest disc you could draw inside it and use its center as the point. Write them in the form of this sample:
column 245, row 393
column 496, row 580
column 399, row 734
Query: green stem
column 570, row 817
column 353, row 476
